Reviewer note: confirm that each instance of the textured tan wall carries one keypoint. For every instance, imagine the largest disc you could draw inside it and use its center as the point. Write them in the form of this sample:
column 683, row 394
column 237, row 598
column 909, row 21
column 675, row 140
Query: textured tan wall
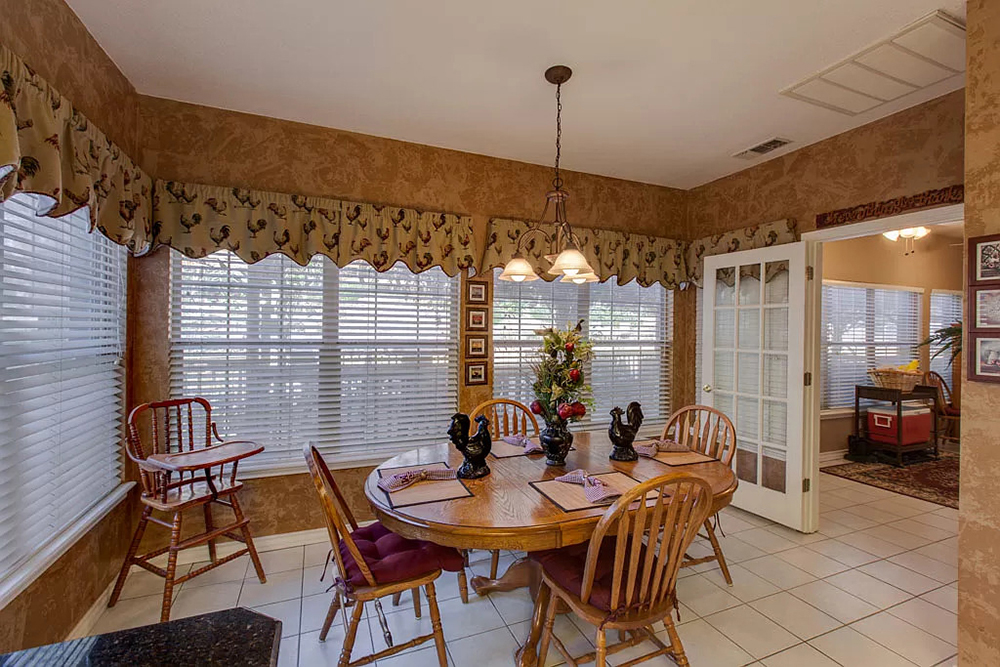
column 50, row 38
column 909, row 152
column 979, row 521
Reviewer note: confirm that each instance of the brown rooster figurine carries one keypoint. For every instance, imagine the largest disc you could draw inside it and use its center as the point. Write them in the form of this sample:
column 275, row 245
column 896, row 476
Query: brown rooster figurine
column 623, row 435
column 474, row 448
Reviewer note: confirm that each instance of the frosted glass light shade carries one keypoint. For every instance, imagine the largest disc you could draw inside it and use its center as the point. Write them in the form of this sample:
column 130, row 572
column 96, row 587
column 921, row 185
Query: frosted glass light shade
column 580, row 278
column 518, row 270
column 908, row 233
column 570, row 262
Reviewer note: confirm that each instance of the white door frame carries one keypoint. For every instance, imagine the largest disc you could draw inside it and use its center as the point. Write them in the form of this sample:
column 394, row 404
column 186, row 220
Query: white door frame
column 814, row 300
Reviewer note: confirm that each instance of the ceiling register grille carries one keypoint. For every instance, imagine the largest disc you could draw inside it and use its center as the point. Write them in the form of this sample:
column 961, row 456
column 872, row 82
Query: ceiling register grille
column 762, row 148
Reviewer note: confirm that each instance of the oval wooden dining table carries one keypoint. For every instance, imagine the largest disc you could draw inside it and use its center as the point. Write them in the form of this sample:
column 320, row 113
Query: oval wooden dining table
column 506, row 512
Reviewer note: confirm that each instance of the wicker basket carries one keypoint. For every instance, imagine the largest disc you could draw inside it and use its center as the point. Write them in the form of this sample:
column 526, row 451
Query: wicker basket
column 893, row 378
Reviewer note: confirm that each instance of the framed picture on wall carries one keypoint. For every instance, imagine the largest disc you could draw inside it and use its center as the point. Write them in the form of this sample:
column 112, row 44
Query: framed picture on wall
column 984, row 259
column 475, row 373
column 984, row 362
column 986, row 308
column 475, row 346
column 476, row 319
column 476, row 292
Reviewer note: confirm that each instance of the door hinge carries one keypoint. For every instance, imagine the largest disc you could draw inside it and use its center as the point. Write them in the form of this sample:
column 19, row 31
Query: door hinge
column 806, row 485
column 807, row 379
column 810, row 273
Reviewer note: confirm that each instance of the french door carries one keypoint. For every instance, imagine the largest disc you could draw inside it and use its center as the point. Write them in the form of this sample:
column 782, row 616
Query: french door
column 753, row 363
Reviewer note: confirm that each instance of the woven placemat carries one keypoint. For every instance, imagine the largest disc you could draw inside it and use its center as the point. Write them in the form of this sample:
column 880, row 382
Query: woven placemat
column 426, row 491
column 570, row 498
column 505, row 450
column 682, row 458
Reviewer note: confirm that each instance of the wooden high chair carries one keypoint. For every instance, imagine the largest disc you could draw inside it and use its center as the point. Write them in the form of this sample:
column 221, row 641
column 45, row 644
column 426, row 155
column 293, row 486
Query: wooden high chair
column 180, row 469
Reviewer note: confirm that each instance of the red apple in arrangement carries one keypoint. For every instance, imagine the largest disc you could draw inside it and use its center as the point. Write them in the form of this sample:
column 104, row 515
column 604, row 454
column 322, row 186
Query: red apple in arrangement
column 566, row 411
column 579, row 409
column 575, row 374
column 570, row 347
column 536, row 407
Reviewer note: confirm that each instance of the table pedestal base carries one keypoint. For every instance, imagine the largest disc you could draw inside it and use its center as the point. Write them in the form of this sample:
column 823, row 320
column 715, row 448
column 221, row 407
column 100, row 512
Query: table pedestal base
column 523, row 573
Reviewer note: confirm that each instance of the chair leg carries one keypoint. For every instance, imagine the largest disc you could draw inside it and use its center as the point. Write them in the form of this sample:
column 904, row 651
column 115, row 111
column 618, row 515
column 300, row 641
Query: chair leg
column 396, row 597
column 130, row 557
column 550, row 619
column 718, row 551
column 675, row 643
column 435, row 623
column 601, row 660
column 331, row 614
column 494, row 563
column 416, row 601
column 209, row 527
column 352, row 634
column 168, row 584
column 249, row 540
column 463, row 586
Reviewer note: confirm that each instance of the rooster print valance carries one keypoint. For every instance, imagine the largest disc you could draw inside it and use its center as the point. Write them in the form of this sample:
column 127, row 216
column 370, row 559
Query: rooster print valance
column 747, row 238
column 49, row 148
column 198, row 220
column 646, row 259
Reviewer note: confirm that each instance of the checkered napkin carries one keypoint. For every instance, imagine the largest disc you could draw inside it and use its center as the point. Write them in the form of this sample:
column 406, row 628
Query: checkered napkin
column 401, row 480
column 654, row 447
column 521, row 440
column 595, row 490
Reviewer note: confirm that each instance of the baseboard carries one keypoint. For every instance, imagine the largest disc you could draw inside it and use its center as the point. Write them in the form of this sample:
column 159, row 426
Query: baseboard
column 263, row 543
column 89, row 620
column 831, row 456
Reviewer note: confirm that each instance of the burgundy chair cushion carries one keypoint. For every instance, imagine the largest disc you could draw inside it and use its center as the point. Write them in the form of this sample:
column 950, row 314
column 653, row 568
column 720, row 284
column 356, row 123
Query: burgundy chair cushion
column 393, row 558
column 565, row 567
column 952, row 411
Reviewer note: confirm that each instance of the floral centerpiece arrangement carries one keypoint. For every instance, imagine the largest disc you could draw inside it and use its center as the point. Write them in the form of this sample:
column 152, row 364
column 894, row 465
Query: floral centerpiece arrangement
column 562, row 394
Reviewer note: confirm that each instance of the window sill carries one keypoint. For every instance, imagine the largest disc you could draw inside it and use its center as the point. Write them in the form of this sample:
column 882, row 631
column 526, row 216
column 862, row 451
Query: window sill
column 836, row 413
column 16, row 581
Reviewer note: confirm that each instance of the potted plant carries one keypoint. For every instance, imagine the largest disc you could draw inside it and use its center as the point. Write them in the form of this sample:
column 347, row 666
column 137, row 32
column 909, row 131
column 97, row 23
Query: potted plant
column 950, row 339
column 562, row 394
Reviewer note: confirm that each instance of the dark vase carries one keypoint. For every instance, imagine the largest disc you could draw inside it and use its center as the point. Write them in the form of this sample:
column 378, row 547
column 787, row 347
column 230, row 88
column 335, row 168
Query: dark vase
column 556, row 440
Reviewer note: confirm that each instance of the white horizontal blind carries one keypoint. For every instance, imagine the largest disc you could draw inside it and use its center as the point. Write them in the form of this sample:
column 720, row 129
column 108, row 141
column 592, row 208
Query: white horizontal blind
column 631, row 327
column 864, row 327
column 946, row 309
column 363, row 363
column 62, row 331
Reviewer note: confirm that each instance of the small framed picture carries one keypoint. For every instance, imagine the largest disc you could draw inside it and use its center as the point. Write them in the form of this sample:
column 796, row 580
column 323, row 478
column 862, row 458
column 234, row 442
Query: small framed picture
column 984, row 259
column 477, row 319
column 987, row 308
column 476, row 292
column 475, row 346
column 475, row 373
column 984, row 362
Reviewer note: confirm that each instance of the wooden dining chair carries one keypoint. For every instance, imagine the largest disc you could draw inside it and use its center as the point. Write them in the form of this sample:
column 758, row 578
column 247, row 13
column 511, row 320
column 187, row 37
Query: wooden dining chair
column 179, row 470
column 624, row 579
column 507, row 417
column 706, row 430
column 372, row 563
column 949, row 418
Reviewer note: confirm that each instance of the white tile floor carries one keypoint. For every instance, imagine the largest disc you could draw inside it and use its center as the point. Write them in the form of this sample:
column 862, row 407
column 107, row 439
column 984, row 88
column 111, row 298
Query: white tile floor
column 874, row 587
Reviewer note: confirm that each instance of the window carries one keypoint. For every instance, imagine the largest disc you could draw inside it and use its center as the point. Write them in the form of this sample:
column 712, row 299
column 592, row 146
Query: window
column 864, row 327
column 630, row 326
column 946, row 308
column 363, row 363
column 62, row 330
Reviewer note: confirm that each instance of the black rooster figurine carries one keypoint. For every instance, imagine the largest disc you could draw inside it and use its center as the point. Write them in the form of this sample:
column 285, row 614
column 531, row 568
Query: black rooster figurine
column 474, row 448
column 623, row 435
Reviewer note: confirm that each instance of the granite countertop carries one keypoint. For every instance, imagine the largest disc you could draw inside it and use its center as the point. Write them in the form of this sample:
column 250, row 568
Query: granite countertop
column 230, row 637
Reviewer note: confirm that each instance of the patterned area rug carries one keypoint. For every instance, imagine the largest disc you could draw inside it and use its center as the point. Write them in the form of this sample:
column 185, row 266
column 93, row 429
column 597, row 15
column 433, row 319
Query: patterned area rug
column 935, row 481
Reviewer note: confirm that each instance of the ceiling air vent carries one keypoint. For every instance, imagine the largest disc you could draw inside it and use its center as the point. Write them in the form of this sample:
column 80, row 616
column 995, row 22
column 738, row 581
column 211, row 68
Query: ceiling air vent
column 762, row 148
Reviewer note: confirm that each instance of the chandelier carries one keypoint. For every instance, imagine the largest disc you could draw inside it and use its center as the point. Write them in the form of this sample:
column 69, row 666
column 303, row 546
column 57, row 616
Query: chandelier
column 569, row 262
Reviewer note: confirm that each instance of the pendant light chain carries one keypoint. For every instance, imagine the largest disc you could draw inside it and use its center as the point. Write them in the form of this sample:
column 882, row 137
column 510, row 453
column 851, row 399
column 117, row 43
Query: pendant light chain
column 557, row 181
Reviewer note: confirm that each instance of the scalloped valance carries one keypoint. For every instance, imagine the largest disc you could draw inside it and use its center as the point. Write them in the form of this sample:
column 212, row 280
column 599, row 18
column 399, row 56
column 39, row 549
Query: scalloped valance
column 198, row 220
column 646, row 259
column 747, row 238
column 49, row 148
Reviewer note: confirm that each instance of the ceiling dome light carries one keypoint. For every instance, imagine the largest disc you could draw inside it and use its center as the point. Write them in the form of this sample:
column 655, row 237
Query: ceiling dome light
column 518, row 270
column 892, row 236
column 570, row 262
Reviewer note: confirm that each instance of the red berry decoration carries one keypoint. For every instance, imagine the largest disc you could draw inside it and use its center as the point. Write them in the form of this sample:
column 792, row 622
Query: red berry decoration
column 566, row 411
column 579, row 409
column 570, row 347
column 575, row 375
column 536, row 407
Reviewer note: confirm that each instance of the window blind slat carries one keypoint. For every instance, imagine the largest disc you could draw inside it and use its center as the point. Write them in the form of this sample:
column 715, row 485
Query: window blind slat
column 946, row 309
column 62, row 326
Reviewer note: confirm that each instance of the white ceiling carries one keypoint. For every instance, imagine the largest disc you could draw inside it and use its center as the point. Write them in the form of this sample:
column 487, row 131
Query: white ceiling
column 664, row 91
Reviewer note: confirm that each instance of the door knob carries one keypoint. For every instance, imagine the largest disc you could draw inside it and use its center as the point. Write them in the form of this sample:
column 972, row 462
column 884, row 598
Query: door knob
column 707, row 389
